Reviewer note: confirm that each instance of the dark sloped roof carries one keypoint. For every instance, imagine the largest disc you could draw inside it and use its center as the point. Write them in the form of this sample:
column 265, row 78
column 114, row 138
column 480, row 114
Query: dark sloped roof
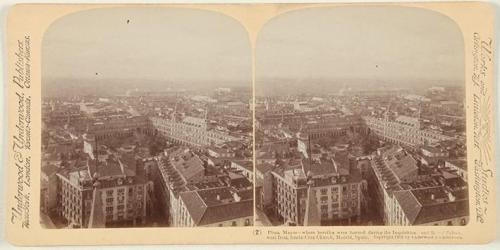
column 194, row 204
column 424, row 211
column 204, row 212
column 403, row 167
column 442, row 211
column 245, row 163
column 225, row 212
column 324, row 167
column 189, row 166
column 409, row 204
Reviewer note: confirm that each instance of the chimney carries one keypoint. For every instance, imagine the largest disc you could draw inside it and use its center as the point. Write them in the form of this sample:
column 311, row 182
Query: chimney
column 236, row 197
column 451, row 197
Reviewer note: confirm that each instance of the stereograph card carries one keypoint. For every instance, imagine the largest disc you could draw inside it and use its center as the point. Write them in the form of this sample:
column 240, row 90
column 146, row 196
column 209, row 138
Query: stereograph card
column 250, row 123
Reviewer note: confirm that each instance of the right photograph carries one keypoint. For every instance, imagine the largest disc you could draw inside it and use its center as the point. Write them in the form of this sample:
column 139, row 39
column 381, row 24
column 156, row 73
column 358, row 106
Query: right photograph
column 360, row 119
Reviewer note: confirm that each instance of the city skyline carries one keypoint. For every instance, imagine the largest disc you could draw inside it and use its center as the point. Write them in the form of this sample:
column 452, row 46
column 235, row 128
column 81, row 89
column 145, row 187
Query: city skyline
column 145, row 128
column 360, row 119
column 146, row 120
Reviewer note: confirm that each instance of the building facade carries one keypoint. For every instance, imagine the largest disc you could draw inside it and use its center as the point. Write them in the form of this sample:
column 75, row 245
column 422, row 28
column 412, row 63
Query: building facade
column 190, row 131
column 336, row 186
column 123, row 190
column 404, row 131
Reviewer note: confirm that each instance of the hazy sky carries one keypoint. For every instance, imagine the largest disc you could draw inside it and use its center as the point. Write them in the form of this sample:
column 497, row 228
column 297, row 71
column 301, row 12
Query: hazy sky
column 376, row 43
column 157, row 44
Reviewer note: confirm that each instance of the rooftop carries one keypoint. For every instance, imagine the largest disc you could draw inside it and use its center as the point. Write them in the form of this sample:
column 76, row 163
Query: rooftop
column 186, row 163
column 215, row 205
column 428, row 205
column 247, row 164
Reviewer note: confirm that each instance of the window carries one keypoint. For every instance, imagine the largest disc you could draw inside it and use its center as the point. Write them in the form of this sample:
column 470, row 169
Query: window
column 233, row 223
column 109, row 210
column 450, row 223
column 335, row 197
column 247, row 222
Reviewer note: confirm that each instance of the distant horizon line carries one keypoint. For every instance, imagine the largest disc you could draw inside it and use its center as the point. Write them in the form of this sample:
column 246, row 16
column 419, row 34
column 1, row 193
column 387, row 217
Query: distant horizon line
column 262, row 79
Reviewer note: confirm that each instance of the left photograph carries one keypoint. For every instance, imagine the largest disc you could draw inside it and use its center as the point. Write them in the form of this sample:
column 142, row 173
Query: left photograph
column 146, row 120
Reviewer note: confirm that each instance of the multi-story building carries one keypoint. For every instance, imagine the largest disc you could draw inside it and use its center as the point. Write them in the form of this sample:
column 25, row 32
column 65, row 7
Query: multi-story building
column 75, row 191
column 48, row 189
column 329, row 127
column 176, row 170
column 219, row 152
column 335, row 185
column 405, row 131
column 62, row 113
column 244, row 167
column 293, row 119
column 432, row 206
column 290, row 195
column 182, row 184
column 263, row 185
column 118, row 127
column 390, row 166
column 120, row 185
column 191, row 131
column 216, row 207
column 405, row 194
column 433, row 152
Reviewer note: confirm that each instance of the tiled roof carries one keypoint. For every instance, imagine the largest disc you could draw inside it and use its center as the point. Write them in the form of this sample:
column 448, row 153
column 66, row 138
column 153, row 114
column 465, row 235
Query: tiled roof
column 205, row 208
column 225, row 212
column 421, row 208
column 244, row 163
column 338, row 164
column 187, row 164
column 401, row 164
